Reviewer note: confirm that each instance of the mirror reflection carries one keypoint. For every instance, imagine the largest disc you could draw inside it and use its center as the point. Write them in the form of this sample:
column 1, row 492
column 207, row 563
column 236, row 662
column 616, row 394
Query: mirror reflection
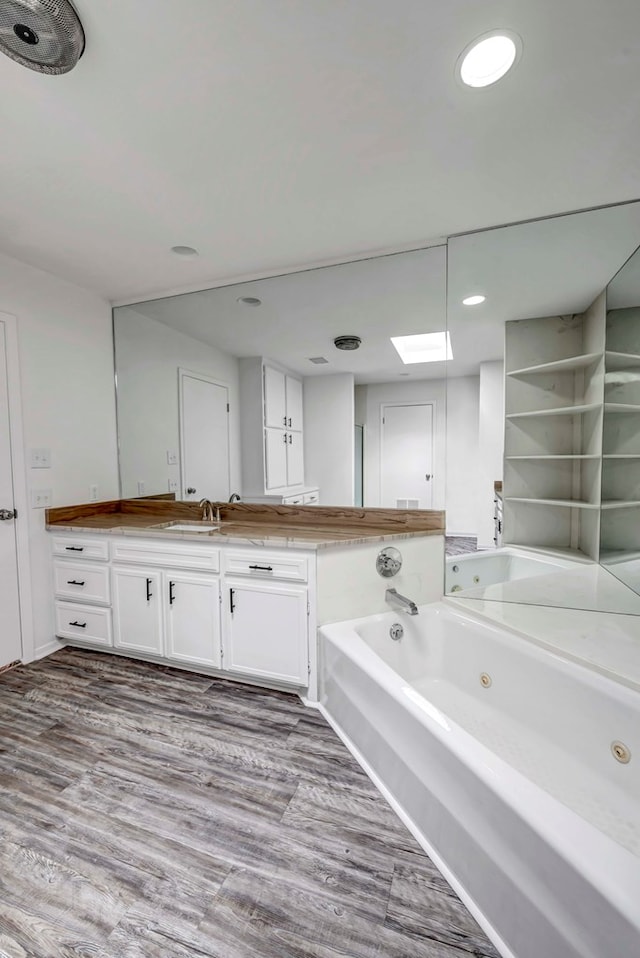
column 546, row 477
column 620, row 520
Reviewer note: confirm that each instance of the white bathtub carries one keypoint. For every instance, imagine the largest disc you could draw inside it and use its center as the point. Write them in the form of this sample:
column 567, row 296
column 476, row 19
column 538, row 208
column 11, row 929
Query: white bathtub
column 511, row 788
column 477, row 570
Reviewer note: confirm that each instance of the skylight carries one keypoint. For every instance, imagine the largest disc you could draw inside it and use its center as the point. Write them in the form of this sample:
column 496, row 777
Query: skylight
column 423, row 348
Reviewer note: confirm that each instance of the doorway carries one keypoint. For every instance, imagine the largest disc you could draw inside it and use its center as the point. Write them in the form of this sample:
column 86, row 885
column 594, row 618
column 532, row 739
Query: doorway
column 406, row 450
column 11, row 632
column 204, row 437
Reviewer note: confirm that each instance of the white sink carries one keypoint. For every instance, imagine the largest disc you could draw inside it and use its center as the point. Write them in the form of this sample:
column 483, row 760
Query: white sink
column 188, row 527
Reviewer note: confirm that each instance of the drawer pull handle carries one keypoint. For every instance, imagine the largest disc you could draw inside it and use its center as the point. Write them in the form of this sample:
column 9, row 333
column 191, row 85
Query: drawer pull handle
column 79, row 625
column 231, row 603
column 74, row 582
column 149, row 592
column 172, row 597
column 262, row 568
column 284, row 438
column 74, row 548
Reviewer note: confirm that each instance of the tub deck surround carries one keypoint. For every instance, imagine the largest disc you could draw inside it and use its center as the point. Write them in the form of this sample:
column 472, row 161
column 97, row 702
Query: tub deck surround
column 309, row 527
column 498, row 755
column 157, row 813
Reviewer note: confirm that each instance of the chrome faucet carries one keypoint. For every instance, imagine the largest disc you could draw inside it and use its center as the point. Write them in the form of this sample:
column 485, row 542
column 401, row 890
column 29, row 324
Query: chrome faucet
column 234, row 497
column 393, row 597
column 207, row 510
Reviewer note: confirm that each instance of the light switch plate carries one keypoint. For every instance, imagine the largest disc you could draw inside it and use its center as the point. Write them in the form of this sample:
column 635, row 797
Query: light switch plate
column 173, row 485
column 41, row 498
column 172, row 457
column 41, row 459
column 93, row 493
column 140, row 487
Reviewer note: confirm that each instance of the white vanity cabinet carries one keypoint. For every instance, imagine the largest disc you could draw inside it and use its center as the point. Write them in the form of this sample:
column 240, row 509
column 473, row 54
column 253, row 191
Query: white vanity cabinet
column 166, row 599
column 171, row 601
column 266, row 608
column 82, row 589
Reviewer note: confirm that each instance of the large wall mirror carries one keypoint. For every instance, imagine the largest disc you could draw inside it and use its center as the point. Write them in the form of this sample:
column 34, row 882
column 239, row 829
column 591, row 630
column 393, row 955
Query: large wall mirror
column 556, row 362
column 352, row 427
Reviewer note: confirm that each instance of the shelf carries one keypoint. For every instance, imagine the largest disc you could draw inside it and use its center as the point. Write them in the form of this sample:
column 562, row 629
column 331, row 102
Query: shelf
column 558, row 365
column 620, row 504
column 561, row 411
column 620, row 361
column 621, row 407
column 567, row 503
column 622, row 455
column 569, row 458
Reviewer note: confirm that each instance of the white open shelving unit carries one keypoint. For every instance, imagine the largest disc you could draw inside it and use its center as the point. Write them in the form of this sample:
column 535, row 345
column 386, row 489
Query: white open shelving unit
column 572, row 432
column 554, row 396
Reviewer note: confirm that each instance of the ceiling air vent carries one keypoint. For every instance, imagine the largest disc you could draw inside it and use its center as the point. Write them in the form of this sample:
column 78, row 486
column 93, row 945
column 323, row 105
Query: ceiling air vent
column 318, row 360
column 42, row 35
column 347, row 342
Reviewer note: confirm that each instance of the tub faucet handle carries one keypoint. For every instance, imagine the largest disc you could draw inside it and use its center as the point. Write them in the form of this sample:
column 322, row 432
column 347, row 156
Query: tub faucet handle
column 388, row 562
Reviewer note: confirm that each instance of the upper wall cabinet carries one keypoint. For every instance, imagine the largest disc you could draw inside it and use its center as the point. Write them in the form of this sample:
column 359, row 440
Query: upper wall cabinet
column 272, row 418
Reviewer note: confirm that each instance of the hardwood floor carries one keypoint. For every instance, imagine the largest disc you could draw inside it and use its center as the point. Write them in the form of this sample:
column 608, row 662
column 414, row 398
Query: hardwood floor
column 147, row 812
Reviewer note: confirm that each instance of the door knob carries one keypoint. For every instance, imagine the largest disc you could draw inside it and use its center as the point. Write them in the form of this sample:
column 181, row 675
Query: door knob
column 428, row 476
column 8, row 514
column 190, row 491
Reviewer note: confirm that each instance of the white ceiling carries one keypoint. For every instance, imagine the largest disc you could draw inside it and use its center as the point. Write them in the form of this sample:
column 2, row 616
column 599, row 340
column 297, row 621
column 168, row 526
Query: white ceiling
column 271, row 134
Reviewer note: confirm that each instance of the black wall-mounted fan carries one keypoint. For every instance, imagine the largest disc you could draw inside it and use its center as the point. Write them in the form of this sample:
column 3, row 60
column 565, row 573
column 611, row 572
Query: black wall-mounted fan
column 43, row 35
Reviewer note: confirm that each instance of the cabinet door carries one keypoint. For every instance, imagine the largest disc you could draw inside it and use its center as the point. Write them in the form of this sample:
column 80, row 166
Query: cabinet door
column 266, row 631
column 275, row 398
column 275, row 450
column 295, row 459
column 137, row 609
column 294, row 403
column 192, row 618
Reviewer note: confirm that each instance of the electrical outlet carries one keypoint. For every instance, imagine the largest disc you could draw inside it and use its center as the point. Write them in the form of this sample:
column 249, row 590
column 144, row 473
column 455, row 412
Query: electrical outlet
column 173, row 485
column 41, row 459
column 93, row 493
column 41, row 498
column 172, row 457
column 140, row 487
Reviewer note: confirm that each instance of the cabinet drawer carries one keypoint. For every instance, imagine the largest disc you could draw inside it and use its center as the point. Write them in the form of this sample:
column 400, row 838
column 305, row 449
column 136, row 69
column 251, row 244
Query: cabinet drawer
column 267, row 565
column 84, row 622
column 160, row 552
column 81, row 581
column 311, row 498
column 76, row 547
column 293, row 500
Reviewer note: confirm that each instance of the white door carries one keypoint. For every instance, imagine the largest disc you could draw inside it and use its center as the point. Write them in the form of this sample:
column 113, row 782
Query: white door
column 266, row 631
column 137, row 609
column 10, row 632
column 406, row 467
column 294, row 403
column 192, row 618
column 275, row 452
column 204, row 438
column 275, row 398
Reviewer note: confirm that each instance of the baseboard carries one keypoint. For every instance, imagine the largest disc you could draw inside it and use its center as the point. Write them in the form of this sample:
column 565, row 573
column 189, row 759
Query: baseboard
column 54, row 646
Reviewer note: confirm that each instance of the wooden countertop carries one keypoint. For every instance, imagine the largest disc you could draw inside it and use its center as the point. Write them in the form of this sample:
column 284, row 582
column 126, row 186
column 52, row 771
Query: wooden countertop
column 306, row 527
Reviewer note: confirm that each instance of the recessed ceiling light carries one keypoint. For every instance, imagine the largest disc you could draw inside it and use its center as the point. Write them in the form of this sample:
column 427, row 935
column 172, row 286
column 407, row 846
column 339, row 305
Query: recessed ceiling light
column 184, row 251
column 250, row 301
column 423, row 348
column 473, row 300
column 488, row 58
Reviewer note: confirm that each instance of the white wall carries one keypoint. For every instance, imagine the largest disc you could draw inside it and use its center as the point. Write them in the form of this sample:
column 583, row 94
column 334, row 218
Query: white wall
column 148, row 355
column 462, row 477
column 68, row 406
column 329, row 438
column 349, row 585
column 490, row 446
